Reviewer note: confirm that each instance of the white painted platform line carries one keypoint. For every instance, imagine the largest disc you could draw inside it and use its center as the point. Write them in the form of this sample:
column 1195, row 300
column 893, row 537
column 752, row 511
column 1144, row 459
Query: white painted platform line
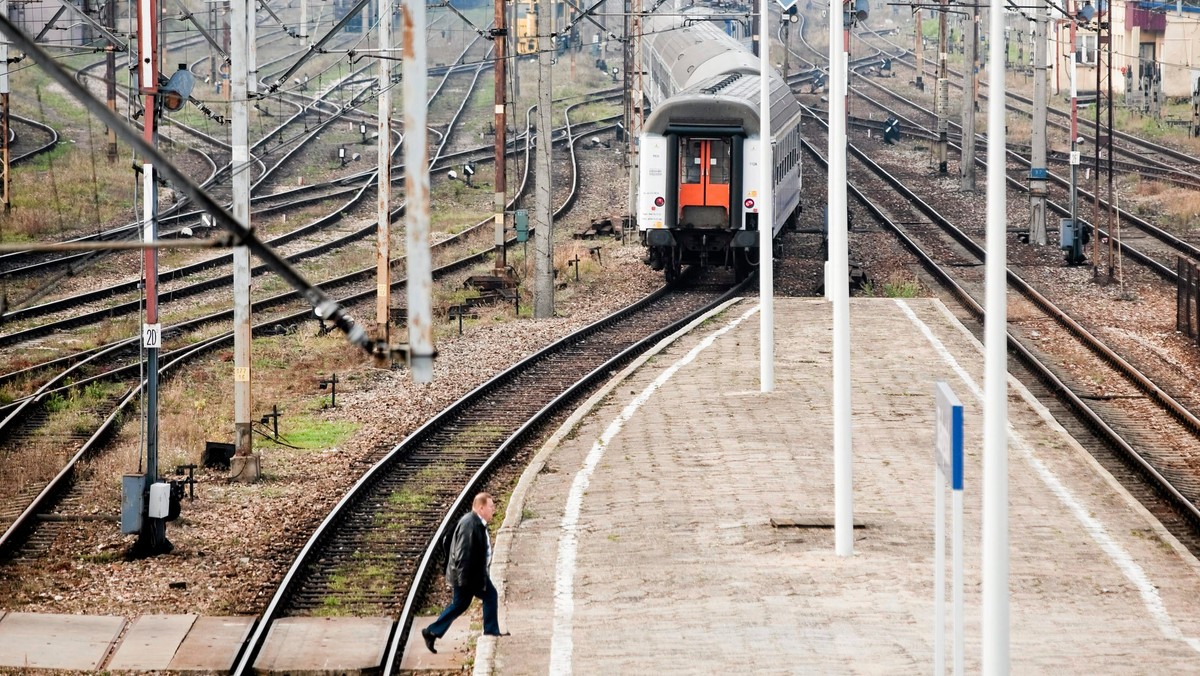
column 1132, row 571
column 561, row 641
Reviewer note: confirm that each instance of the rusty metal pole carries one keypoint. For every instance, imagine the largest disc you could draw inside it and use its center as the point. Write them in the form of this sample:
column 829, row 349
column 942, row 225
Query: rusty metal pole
column 245, row 464
column 919, row 49
column 383, row 231
column 416, row 187
column 498, row 202
column 153, row 537
column 110, row 78
column 6, row 179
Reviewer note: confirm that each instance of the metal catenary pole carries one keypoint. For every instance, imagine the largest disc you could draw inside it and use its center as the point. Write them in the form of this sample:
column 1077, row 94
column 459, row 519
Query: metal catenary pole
column 245, row 465
column 995, row 622
column 416, row 186
column 839, row 287
column 498, row 201
column 543, row 245
column 383, row 149
column 1096, row 158
column 1037, row 164
column 766, row 210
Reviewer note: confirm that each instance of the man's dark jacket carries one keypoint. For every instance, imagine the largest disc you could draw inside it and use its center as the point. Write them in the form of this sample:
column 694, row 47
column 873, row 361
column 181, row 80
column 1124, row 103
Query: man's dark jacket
column 466, row 566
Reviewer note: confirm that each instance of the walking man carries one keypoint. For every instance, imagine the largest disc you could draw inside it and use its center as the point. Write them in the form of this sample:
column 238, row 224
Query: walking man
column 467, row 572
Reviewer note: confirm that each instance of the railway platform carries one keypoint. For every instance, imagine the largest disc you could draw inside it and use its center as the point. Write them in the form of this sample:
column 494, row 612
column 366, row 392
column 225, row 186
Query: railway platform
column 681, row 522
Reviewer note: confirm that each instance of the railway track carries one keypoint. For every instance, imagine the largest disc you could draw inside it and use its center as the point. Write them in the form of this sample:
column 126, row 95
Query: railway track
column 19, row 411
column 1136, row 424
column 373, row 554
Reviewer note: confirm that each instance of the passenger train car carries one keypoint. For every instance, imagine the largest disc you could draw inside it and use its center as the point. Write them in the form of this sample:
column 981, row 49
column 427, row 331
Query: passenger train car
column 700, row 187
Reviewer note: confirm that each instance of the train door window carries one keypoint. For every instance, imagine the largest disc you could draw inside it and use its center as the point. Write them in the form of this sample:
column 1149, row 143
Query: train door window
column 718, row 161
column 692, row 160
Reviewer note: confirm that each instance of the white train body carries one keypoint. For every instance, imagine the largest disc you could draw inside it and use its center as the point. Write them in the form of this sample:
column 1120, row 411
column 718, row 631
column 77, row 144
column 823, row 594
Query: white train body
column 700, row 188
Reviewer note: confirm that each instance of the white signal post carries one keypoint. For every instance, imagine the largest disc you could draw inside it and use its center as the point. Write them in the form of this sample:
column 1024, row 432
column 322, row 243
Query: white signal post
column 948, row 463
column 838, row 287
column 766, row 213
column 995, row 621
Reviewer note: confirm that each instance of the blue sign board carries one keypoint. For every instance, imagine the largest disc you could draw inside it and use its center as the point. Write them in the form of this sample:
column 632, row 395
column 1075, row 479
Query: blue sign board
column 949, row 435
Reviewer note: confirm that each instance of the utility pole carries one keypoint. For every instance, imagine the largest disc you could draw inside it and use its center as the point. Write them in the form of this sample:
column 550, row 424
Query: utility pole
column 1037, row 161
column 383, row 230
column 416, row 186
column 6, row 179
column 245, row 464
column 636, row 106
column 110, row 77
column 967, row 166
column 498, row 201
column 153, row 536
column 303, row 32
column 543, row 244
column 943, row 91
column 919, row 50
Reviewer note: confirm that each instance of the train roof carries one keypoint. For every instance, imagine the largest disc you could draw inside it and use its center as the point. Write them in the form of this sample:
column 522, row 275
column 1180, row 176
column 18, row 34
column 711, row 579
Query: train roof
column 729, row 101
column 682, row 55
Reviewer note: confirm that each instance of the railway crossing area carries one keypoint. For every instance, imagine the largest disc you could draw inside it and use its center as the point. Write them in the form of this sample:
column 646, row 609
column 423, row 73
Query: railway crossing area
column 681, row 522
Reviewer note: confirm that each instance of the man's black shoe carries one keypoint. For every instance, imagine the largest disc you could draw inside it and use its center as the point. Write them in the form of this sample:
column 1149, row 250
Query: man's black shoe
column 504, row 634
column 429, row 639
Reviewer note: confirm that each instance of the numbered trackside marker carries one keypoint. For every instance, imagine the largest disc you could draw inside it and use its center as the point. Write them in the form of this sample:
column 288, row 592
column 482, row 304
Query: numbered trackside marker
column 152, row 336
column 241, row 374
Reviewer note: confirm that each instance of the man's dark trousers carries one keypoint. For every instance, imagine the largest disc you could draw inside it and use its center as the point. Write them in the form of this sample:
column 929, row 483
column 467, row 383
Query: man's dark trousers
column 462, row 601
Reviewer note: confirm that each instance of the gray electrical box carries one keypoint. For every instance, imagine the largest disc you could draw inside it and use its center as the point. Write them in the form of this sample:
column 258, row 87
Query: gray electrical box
column 133, row 501
column 1066, row 234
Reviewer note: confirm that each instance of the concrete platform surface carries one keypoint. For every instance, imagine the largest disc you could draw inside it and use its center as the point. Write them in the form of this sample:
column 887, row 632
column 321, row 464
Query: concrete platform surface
column 213, row 644
column 151, row 642
column 323, row 645
column 456, row 647
column 640, row 541
column 48, row 641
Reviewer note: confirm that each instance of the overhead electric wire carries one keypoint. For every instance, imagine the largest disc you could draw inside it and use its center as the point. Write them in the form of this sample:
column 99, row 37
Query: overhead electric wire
column 325, row 306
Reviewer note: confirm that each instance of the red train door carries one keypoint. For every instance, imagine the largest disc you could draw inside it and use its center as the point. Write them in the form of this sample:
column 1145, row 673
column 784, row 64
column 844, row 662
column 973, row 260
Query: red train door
column 704, row 172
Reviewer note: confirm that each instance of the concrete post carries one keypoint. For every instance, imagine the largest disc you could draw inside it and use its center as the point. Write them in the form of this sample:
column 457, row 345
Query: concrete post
column 499, row 201
column 1037, row 164
column 543, row 245
column 383, row 148
column 966, row 167
column 416, row 186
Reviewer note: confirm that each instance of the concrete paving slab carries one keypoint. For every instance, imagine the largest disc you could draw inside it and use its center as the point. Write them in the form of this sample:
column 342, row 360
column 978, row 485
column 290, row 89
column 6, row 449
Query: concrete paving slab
column 151, row 642
column 212, row 644
column 46, row 641
column 641, row 542
column 453, row 649
column 310, row 646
